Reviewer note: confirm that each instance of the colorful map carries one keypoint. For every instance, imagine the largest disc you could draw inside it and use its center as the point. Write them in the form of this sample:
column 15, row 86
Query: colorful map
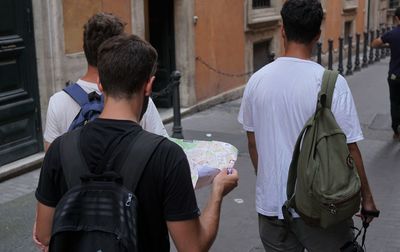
column 207, row 158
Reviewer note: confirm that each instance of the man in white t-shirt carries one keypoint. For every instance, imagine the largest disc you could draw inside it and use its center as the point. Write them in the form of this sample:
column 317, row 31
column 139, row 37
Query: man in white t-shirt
column 62, row 109
column 277, row 102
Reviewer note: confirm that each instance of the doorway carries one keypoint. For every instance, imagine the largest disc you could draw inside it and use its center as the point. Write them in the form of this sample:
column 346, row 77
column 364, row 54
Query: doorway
column 20, row 125
column 160, row 33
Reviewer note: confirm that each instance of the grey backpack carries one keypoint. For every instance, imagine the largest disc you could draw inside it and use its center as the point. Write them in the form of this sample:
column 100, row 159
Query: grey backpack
column 323, row 184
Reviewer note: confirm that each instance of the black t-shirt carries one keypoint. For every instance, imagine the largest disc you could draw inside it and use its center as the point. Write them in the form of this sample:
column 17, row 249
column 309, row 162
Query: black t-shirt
column 165, row 191
column 393, row 39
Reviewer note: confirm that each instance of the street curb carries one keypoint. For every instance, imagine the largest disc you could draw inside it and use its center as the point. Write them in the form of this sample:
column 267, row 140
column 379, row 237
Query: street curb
column 33, row 162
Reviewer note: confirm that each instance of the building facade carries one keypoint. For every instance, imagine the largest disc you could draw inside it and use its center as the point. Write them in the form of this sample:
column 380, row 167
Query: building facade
column 216, row 45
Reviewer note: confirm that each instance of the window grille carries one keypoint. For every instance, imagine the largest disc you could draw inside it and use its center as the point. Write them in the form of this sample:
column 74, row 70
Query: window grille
column 393, row 4
column 258, row 4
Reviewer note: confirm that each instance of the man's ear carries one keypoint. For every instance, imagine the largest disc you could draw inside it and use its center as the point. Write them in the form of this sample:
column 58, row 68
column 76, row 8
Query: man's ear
column 99, row 85
column 283, row 32
column 318, row 36
column 149, row 86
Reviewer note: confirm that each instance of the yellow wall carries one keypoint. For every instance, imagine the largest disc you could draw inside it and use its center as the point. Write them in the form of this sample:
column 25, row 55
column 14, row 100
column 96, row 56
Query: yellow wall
column 335, row 18
column 77, row 12
column 220, row 41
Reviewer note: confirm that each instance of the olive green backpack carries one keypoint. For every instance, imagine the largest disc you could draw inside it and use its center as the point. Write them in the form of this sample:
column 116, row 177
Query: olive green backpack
column 323, row 184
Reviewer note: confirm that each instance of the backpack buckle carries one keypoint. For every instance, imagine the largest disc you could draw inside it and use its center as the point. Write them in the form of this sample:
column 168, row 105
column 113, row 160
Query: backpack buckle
column 332, row 209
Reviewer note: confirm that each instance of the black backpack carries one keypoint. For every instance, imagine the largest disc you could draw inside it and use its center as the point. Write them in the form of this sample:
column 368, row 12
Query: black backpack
column 99, row 211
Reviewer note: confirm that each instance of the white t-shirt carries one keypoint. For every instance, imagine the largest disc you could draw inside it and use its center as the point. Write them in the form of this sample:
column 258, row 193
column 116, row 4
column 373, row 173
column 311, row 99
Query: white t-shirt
column 63, row 109
column 277, row 102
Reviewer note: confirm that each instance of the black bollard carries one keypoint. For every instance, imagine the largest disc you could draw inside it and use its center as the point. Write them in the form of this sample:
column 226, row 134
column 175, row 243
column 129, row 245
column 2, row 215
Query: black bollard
column 349, row 55
column 330, row 54
column 340, row 67
column 365, row 50
column 176, row 128
column 319, row 53
column 371, row 50
column 377, row 50
column 357, row 61
column 271, row 57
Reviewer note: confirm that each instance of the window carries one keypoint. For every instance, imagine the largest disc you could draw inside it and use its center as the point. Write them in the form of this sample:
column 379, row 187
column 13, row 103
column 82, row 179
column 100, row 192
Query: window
column 393, row 4
column 259, row 4
column 261, row 54
column 348, row 30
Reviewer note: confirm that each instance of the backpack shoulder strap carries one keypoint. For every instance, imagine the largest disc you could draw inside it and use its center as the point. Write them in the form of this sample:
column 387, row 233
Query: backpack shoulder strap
column 138, row 155
column 77, row 93
column 328, row 86
column 72, row 161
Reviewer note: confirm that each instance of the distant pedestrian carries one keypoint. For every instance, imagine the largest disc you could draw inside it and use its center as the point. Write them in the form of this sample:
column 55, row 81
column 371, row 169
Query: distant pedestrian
column 166, row 202
column 277, row 102
column 392, row 39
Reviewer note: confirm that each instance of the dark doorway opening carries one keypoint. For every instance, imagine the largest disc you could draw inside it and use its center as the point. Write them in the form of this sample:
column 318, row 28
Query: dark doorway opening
column 162, row 37
column 20, row 126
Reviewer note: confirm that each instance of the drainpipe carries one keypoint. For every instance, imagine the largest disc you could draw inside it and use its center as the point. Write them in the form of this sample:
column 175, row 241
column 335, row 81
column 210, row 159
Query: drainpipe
column 368, row 14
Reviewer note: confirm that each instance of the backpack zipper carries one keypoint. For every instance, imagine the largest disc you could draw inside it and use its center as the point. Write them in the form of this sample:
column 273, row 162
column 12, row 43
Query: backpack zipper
column 128, row 202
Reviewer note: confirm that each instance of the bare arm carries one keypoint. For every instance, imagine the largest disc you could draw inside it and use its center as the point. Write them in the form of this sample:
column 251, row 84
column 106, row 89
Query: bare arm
column 377, row 43
column 43, row 224
column 251, row 141
column 46, row 146
column 366, row 194
column 197, row 235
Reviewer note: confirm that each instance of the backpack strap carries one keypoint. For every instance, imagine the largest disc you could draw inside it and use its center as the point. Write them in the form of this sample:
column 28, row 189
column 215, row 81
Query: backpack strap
column 72, row 160
column 325, row 96
column 138, row 155
column 77, row 93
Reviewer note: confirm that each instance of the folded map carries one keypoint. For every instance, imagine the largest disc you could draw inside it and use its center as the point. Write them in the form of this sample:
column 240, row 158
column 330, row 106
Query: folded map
column 207, row 158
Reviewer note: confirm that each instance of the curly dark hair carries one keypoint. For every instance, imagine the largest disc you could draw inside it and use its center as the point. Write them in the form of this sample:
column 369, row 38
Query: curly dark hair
column 125, row 64
column 302, row 20
column 98, row 29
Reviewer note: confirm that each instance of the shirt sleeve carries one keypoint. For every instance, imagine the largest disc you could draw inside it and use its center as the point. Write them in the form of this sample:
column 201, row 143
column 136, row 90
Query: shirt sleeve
column 52, row 130
column 152, row 122
column 345, row 112
column 245, row 116
column 387, row 37
column 179, row 197
column 48, row 191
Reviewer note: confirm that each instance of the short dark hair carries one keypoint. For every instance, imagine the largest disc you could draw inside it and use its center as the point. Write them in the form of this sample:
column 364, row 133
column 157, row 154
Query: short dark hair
column 125, row 64
column 397, row 12
column 98, row 29
column 302, row 20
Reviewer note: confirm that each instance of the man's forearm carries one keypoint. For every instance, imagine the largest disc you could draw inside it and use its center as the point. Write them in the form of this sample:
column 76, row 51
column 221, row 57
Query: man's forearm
column 209, row 221
column 355, row 153
column 254, row 157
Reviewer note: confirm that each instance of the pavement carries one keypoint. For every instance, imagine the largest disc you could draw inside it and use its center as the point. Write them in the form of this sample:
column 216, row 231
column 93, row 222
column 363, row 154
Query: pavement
column 238, row 230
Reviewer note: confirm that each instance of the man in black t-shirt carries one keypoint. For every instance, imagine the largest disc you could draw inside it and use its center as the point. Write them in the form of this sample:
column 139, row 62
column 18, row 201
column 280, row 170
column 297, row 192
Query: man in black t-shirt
column 165, row 193
column 392, row 39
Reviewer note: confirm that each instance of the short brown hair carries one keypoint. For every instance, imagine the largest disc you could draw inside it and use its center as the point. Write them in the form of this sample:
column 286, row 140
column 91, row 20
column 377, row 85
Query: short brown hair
column 125, row 64
column 98, row 29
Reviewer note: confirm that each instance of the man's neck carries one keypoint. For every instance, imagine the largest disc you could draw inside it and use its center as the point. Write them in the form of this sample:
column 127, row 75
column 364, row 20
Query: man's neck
column 120, row 109
column 297, row 50
column 92, row 75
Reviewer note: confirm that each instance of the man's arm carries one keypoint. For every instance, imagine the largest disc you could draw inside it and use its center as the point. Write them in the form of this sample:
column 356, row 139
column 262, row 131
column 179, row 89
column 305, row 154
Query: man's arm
column 198, row 234
column 43, row 224
column 378, row 43
column 366, row 195
column 251, row 142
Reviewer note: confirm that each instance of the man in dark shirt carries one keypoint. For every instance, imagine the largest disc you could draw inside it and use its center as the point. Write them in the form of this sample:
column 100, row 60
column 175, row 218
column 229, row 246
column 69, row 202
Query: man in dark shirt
column 165, row 193
column 392, row 38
